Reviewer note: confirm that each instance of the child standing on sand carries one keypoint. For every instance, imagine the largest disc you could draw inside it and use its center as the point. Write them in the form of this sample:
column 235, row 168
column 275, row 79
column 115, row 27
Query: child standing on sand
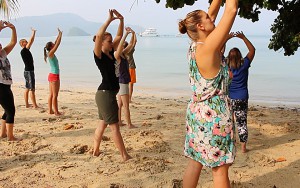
column 124, row 78
column 53, row 77
column 29, row 69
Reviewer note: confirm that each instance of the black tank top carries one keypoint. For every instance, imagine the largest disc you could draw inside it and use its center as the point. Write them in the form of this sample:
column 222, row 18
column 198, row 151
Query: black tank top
column 107, row 69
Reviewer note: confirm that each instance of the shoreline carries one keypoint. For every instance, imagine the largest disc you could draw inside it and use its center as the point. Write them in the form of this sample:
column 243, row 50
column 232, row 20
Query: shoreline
column 158, row 92
column 54, row 151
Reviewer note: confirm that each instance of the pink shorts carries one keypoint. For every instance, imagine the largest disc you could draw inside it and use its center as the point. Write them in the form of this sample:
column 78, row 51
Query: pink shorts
column 53, row 77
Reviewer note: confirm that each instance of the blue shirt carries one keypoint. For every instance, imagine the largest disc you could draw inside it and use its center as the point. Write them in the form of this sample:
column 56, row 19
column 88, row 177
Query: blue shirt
column 239, row 85
column 54, row 65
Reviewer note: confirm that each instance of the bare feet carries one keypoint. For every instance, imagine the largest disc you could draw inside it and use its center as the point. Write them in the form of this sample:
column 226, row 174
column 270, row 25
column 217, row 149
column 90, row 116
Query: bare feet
column 51, row 112
column 244, row 149
column 95, row 153
column 126, row 157
column 131, row 126
column 4, row 136
column 58, row 113
column 121, row 124
column 14, row 139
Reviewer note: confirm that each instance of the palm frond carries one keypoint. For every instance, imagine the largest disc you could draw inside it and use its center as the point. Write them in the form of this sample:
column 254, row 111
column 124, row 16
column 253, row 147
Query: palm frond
column 8, row 8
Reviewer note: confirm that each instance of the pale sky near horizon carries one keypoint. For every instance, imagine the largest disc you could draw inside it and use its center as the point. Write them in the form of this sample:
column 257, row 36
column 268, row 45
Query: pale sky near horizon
column 147, row 13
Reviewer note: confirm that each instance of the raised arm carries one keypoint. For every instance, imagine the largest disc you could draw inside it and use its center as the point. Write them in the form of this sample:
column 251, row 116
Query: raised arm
column 214, row 9
column 120, row 48
column 8, row 48
column 132, row 42
column 56, row 44
column 251, row 48
column 100, row 33
column 30, row 42
column 218, row 36
column 229, row 36
column 119, row 35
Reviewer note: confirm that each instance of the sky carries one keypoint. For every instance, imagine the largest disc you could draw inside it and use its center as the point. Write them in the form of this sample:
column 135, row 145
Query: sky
column 145, row 13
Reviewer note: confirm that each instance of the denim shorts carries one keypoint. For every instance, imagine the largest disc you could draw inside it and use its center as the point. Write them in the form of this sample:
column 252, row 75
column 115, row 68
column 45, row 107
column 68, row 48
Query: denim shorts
column 29, row 80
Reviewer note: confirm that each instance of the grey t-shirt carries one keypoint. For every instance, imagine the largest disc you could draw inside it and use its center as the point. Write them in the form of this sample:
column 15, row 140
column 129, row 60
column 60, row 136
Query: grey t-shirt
column 130, row 59
column 5, row 72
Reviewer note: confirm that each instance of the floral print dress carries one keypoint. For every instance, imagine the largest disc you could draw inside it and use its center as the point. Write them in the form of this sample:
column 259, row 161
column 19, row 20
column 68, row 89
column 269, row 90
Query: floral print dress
column 210, row 131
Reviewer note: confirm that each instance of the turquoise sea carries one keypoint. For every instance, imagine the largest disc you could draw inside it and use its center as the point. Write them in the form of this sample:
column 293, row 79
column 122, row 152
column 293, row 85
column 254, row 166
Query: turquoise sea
column 162, row 67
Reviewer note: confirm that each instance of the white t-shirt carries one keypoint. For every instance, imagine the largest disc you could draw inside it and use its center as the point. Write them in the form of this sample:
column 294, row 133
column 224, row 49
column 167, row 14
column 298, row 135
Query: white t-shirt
column 5, row 72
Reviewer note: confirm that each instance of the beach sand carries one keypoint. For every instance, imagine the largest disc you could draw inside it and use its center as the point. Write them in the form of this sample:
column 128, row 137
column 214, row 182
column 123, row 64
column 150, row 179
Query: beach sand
column 54, row 151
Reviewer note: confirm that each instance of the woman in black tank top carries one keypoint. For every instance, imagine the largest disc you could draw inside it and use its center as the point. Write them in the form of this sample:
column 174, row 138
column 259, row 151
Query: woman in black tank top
column 106, row 94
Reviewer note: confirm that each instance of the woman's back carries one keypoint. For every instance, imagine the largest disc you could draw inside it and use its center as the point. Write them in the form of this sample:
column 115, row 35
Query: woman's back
column 203, row 88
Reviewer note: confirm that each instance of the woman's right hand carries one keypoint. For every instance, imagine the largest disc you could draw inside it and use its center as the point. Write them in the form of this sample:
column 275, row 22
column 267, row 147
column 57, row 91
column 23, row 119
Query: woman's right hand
column 118, row 15
column 8, row 24
column 240, row 34
column 59, row 31
column 128, row 30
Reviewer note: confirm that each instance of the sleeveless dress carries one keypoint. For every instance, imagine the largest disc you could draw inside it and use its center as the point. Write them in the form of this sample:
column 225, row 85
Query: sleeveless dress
column 209, row 126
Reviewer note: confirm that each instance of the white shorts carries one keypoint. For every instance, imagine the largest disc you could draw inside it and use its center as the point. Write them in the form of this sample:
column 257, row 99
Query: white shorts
column 124, row 89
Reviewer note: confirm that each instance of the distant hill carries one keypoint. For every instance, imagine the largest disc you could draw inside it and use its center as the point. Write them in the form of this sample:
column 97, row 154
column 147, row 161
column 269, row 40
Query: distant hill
column 75, row 31
column 47, row 25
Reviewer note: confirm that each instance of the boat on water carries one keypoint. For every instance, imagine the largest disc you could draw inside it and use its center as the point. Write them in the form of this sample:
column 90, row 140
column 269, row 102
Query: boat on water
column 150, row 32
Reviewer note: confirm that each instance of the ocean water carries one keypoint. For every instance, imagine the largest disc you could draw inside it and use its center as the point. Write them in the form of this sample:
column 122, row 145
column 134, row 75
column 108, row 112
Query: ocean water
column 162, row 67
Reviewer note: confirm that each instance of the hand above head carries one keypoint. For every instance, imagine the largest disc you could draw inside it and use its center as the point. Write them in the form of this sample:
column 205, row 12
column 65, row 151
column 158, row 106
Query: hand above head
column 59, row 31
column 239, row 34
column 128, row 29
column 118, row 15
column 230, row 35
column 32, row 29
column 111, row 16
column 8, row 24
column 2, row 26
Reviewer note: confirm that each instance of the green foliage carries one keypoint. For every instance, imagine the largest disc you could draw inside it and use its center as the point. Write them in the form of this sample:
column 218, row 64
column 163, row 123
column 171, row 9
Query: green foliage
column 286, row 27
column 7, row 7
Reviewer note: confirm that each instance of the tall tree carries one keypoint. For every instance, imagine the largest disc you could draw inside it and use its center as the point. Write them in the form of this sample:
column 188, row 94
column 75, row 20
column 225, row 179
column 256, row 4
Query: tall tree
column 285, row 29
column 8, row 7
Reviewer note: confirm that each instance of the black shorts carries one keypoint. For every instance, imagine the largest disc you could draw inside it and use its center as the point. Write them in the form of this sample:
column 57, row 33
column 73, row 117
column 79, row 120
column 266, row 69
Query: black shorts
column 29, row 80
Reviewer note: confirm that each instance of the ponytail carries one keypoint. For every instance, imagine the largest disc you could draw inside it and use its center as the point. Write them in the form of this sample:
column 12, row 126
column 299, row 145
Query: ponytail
column 47, row 48
column 45, row 54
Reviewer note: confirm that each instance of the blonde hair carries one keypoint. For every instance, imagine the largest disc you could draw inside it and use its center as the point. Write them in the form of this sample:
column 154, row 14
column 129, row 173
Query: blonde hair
column 189, row 24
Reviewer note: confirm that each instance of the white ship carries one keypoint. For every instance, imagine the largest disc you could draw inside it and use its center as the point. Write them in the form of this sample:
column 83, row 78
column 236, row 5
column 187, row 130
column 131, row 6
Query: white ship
column 150, row 32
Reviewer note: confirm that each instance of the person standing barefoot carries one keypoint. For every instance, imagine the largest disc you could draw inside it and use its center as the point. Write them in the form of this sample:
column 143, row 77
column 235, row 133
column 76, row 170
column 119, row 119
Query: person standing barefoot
column 6, row 94
column 209, row 137
column 238, row 90
column 29, row 70
column 108, row 89
column 53, row 77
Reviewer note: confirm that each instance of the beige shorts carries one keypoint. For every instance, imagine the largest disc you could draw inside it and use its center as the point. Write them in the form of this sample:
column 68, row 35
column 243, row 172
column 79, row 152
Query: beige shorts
column 124, row 89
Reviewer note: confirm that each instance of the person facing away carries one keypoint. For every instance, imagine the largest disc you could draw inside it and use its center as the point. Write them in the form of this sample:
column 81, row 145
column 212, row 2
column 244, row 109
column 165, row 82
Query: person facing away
column 209, row 127
column 109, row 87
column 53, row 77
column 124, row 79
column 29, row 70
column 238, row 90
column 132, row 67
column 6, row 94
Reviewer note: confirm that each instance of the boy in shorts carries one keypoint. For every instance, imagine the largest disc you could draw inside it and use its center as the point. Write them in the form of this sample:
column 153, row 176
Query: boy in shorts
column 29, row 70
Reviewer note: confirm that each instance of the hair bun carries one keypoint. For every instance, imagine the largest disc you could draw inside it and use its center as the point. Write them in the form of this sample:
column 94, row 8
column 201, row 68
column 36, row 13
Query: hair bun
column 182, row 27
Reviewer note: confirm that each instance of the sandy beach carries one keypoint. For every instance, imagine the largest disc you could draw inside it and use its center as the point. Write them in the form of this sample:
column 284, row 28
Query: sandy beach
column 54, row 151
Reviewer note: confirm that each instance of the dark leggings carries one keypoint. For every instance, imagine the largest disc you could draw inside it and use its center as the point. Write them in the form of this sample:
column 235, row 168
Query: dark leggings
column 7, row 102
column 240, row 110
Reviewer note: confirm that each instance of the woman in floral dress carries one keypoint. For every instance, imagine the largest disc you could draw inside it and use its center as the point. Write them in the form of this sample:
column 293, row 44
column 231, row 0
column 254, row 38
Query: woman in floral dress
column 210, row 131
